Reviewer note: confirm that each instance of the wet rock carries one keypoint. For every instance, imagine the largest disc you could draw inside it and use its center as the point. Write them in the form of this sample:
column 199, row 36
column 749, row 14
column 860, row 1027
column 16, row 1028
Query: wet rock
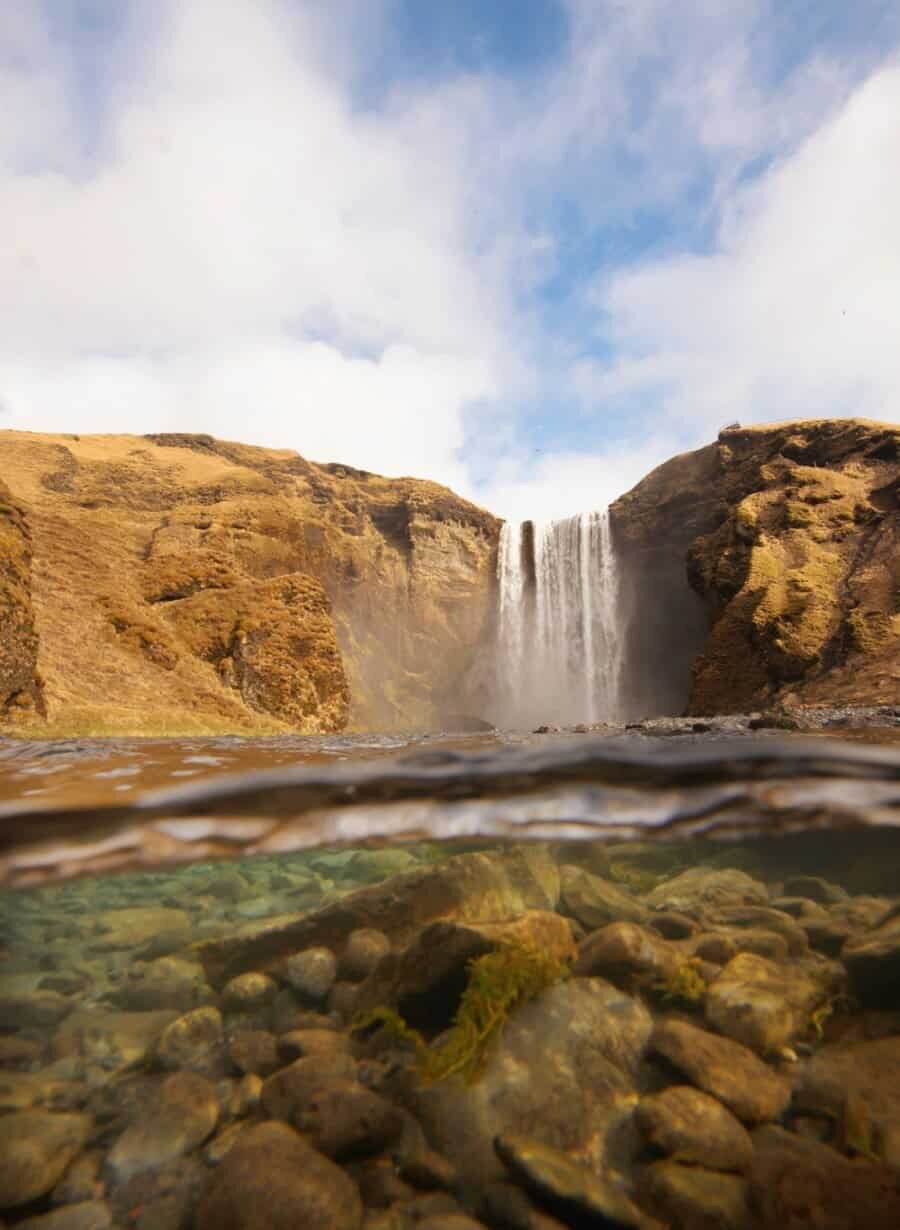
column 143, row 931
column 299, row 1043
column 227, row 886
column 114, row 1039
column 466, row 887
column 799, row 1182
column 87, row 1215
column 428, row 1171
column 179, row 1120
column 168, row 982
column 799, row 908
column 761, row 1004
column 506, row 1205
column 873, row 965
column 865, row 1074
column 692, row 1198
column 248, row 992
column 255, row 1051
column 425, row 980
column 450, row 1221
column 594, row 902
column 246, row 1095
column 272, row 1180
column 312, row 973
column 343, row 1119
column 23, row 1090
column 80, row 1182
column 379, row 1184
column 34, row 1010
column 724, row 1069
column 758, row 918
column 671, row 925
column 826, row 935
column 698, row 889
column 287, row 1092
column 364, row 949
column 694, row 1127
column 580, row 1043
column 15, row 1051
column 814, row 888
column 195, row 1040
column 36, row 1146
column 160, row 1199
column 716, row 946
column 566, row 1185
column 626, row 954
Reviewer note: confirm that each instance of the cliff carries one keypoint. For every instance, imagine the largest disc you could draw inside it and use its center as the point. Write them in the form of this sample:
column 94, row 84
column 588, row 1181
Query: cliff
column 184, row 584
column 764, row 569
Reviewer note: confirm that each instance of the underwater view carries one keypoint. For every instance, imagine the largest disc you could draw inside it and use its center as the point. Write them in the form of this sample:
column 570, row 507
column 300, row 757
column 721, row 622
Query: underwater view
column 643, row 977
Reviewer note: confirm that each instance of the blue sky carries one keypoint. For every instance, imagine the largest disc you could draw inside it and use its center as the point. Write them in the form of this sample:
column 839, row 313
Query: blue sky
column 528, row 248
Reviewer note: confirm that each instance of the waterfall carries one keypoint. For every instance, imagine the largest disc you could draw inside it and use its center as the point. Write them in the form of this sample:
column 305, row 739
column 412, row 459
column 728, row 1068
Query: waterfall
column 560, row 640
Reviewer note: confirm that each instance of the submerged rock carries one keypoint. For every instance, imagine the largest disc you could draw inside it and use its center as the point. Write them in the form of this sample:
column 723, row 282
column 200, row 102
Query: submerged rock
column 690, row 1196
column 725, row 1069
column 699, row 889
column 271, row 1179
column 565, row 1064
column 467, row 887
column 695, row 1128
column 36, row 1146
column 179, row 1120
column 762, row 1004
column 577, row 1192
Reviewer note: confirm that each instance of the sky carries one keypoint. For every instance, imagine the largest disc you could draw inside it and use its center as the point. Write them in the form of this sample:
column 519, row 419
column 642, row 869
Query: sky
column 526, row 248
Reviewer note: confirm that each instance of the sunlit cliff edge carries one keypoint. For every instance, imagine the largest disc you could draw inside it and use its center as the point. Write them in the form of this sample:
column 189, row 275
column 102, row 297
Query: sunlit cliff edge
column 177, row 584
column 790, row 535
column 183, row 584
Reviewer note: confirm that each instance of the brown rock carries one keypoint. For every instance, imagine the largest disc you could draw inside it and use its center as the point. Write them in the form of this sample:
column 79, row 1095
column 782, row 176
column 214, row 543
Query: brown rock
column 272, row 1180
column 593, row 902
column 465, row 888
column 179, row 1120
column 694, row 1128
column 365, row 947
column 220, row 585
column 195, row 1040
column 796, row 1182
column 725, row 1069
column 581, row 1043
column 256, row 1051
column 696, row 1199
column 343, row 1119
column 36, row 1146
column 628, row 954
column 287, row 1092
column 425, row 980
column 20, row 686
column 760, row 1003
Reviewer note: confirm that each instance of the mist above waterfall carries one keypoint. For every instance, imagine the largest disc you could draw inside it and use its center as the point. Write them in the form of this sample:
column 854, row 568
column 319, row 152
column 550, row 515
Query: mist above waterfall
column 560, row 630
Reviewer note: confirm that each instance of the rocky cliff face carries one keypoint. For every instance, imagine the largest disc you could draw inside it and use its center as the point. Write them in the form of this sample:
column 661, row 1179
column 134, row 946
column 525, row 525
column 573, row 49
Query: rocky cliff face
column 790, row 535
column 19, row 684
column 181, row 583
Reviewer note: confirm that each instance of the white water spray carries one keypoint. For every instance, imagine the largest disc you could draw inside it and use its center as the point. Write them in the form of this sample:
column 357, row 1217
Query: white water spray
column 560, row 640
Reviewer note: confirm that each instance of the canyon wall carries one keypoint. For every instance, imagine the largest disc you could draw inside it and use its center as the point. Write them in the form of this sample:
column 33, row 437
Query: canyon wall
column 183, row 584
column 764, row 569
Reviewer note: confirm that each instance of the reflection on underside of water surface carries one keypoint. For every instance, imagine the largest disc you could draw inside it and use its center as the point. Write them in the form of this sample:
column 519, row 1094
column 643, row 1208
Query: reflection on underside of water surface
column 444, row 1025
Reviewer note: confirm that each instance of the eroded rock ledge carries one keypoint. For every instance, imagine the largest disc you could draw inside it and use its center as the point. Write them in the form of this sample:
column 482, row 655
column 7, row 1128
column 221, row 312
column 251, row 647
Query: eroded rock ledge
column 791, row 537
column 184, row 584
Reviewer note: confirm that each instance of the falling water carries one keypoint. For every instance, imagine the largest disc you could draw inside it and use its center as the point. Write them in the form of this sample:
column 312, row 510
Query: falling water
column 560, row 636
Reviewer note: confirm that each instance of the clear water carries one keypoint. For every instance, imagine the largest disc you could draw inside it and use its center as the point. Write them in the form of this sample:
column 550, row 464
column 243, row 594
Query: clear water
column 140, row 875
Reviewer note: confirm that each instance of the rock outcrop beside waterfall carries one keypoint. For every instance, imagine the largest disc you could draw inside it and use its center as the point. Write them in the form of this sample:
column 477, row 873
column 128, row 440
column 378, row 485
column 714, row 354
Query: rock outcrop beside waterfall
column 178, row 584
column 790, row 535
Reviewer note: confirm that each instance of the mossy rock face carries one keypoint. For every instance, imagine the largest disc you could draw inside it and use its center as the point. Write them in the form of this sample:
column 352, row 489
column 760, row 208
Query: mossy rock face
column 801, row 577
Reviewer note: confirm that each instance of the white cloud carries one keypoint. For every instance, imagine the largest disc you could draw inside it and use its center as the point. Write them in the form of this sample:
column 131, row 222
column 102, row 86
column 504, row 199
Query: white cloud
column 246, row 250
column 795, row 312
column 246, row 238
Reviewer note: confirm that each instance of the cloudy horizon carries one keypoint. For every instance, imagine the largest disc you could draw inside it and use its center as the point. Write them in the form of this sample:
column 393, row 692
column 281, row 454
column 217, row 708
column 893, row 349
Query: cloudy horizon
column 525, row 249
